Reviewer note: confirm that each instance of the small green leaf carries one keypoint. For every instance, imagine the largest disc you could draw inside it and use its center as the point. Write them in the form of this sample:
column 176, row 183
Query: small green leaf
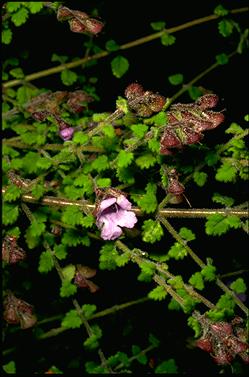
column 122, row 260
column 71, row 320
column 72, row 215
column 148, row 201
column 36, row 228
column 152, row 231
column 195, row 326
column 92, row 342
column 38, row 191
column 158, row 25
column 194, row 92
column 187, row 234
column 209, row 272
column 142, row 359
column 88, row 221
column 34, row 6
column 200, row 178
column 108, row 254
column 167, row 39
column 20, row 17
column 80, row 138
column 168, row 366
column 67, row 289
column 12, row 193
column 10, row 367
column 68, row 77
column 119, row 66
column 197, row 281
column 146, row 161
column 111, row 45
column 68, row 272
column 108, row 130
column 177, row 251
column 234, row 129
column 6, row 36
column 238, row 286
column 100, row 163
column 226, row 173
column 158, row 293
column 220, row 10
column 88, row 310
column 10, row 213
column 154, row 145
column 124, row 159
column 222, row 58
column 17, row 73
column 218, row 224
column 176, row 79
column 153, row 340
column 60, row 251
column 225, row 27
column 139, row 130
column 46, row 262
column 103, row 182
column 12, row 6
column 222, row 199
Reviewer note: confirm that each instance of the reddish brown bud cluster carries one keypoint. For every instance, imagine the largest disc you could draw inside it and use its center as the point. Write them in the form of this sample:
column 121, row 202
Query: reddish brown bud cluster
column 186, row 122
column 175, row 188
column 144, row 103
column 11, row 252
column 223, row 340
column 79, row 22
column 82, row 275
column 18, row 311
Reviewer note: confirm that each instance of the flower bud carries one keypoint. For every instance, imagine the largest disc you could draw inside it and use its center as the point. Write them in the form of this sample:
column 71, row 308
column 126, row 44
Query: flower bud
column 66, row 133
column 208, row 101
column 93, row 26
column 134, row 90
column 204, row 344
column 11, row 252
column 222, row 328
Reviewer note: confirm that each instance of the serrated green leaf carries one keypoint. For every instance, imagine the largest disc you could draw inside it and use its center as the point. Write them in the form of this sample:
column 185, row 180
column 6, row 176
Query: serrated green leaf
column 211, row 158
column 88, row 221
column 176, row 282
column 146, row 161
column 71, row 320
column 38, row 191
column 220, row 10
column 222, row 58
column 158, row 293
column 120, row 66
column 108, row 130
column 187, row 234
column 222, row 199
column 92, row 342
column 194, row 92
column 197, row 281
column 147, row 267
column 154, row 145
column 6, row 37
column 12, row 6
column 36, row 228
column 12, row 193
column 10, row 367
column 17, row 73
column 139, row 130
column 20, row 17
column 167, row 39
column 68, row 77
column 167, row 366
column 153, row 340
column 124, row 159
column 60, row 251
column 72, row 215
column 176, row 79
column 238, row 286
column 67, row 289
column 80, row 138
column 46, row 262
column 111, row 45
column 89, row 310
column 34, row 6
column 148, row 201
column 200, row 178
column 195, row 326
column 68, row 272
column 209, row 272
column 103, row 182
column 225, row 27
column 100, row 163
column 158, row 25
column 142, row 359
column 234, row 129
column 152, row 231
column 218, row 224
column 10, row 213
column 108, row 255
column 177, row 251
column 226, row 173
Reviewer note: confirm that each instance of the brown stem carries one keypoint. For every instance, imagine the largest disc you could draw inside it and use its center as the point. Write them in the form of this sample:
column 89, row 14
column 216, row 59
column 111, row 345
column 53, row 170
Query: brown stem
column 139, row 41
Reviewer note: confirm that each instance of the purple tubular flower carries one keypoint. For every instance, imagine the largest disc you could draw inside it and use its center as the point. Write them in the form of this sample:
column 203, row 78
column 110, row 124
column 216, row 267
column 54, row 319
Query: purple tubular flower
column 113, row 214
column 66, row 133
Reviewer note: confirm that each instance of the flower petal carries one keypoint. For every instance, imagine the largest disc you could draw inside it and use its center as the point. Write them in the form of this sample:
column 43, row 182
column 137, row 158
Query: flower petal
column 125, row 218
column 106, row 203
column 123, row 202
column 110, row 230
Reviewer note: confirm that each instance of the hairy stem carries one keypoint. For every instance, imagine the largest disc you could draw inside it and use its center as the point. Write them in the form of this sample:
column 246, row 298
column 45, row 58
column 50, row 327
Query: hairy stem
column 125, row 46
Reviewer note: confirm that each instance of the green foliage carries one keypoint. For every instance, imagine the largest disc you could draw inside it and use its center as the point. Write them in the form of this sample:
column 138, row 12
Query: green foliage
column 139, row 130
column 195, row 326
column 158, row 25
column 194, row 92
column 10, row 213
column 120, row 66
column 145, row 161
column 222, row 58
column 197, row 281
column 220, row 10
column 35, row 6
column 222, row 199
column 148, row 201
column 118, row 358
column 234, row 129
column 152, row 231
column 226, row 27
column 20, row 17
column 177, row 251
column 100, row 164
column 12, row 193
column 167, row 39
column 108, row 253
column 218, row 224
column 187, row 234
column 92, row 342
column 209, row 272
column 103, row 182
column 60, row 251
column 226, row 173
column 158, row 294
column 6, row 36
column 71, row 320
column 224, row 308
column 68, row 77
column 80, row 138
column 67, row 289
column 176, row 79
column 10, row 367
column 168, row 367
column 200, row 178
column 124, row 159
column 111, row 45
column 46, row 262
column 238, row 286
column 72, row 215
column 88, row 310
column 147, row 267
column 142, row 359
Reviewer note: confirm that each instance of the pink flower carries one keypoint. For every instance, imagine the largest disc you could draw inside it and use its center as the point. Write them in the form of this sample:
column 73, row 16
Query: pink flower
column 114, row 213
column 66, row 133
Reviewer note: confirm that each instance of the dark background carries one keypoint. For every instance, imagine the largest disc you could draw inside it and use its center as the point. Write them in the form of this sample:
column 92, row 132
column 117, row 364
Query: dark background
column 150, row 64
